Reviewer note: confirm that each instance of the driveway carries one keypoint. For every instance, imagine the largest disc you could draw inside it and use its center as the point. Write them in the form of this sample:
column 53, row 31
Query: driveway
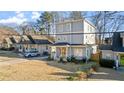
column 108, row 74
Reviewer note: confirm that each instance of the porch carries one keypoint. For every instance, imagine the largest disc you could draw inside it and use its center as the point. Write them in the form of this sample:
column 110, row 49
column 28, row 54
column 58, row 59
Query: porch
column 66, row 51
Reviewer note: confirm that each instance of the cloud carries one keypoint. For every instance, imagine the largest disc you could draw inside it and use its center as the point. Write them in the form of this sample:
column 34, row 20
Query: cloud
column 18, row 19
column 20, row 14
column 35, row 15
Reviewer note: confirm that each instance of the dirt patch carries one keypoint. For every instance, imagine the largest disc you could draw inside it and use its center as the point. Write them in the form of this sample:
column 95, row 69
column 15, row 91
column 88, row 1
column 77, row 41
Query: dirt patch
column 32, row 70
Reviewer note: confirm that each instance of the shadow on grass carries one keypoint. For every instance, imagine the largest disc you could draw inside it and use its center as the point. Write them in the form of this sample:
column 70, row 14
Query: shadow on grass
column 63, row 74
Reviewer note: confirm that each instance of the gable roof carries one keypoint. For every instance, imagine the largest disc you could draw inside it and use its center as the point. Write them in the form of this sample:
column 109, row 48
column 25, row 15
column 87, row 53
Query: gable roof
column 16, row 39
column 25, row 40
column 36, row 39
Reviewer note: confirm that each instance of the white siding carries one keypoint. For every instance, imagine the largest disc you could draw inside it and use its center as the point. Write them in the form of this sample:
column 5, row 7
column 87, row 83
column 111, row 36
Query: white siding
column 77, row 26
column 89, row 38
column 107, row 54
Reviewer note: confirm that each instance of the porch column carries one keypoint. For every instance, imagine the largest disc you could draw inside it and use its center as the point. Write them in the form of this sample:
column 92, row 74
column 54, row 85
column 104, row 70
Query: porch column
column 66, row 51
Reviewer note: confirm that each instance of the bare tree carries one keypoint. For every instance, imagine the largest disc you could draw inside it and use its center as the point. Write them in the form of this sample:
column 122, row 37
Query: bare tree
column 107, row 21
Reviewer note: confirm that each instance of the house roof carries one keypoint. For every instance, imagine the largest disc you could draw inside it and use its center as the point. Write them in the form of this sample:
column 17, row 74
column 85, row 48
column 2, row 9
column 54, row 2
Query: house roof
column 61, row 43
column 7, row 40
column 16, row 38
column 25, row 40
column 36, row 39
column 40, row 39
column 64, row 44
column 105, row 47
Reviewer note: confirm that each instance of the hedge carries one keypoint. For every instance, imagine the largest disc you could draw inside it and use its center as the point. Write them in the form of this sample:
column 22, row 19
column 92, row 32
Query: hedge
column 107, row 63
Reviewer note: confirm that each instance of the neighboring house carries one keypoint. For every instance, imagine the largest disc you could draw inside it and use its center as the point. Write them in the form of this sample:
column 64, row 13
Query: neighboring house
column 114, row 50
column 7, row 43
column 10, row 42
column 70, row 41
column 35, row 42
column 108, row 41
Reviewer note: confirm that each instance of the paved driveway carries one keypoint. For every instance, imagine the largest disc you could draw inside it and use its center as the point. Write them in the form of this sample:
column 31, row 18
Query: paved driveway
column 108, row 74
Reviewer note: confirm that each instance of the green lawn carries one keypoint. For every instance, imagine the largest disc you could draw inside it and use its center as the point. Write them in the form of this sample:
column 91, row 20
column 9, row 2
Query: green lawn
column 122, row 61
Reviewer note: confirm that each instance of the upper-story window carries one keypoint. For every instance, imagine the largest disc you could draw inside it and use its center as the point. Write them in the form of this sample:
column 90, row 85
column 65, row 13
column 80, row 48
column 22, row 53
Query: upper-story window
column 66, row 27
column 77, row 26
column 59, row 28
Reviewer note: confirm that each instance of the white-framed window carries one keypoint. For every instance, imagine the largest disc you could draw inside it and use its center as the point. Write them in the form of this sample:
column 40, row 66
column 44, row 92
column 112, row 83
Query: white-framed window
column 78, row 52
column 66, row 27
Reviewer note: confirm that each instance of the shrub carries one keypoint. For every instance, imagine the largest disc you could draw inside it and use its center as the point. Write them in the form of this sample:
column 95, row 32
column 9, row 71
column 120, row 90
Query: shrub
column 95, row 67
column 49, row 58
column 73, row 59
column 45, row 53
column 71, row 78
column 68, row 59
column 60, row 60
column 107, row 63
column 81, row 75
column 84, row 60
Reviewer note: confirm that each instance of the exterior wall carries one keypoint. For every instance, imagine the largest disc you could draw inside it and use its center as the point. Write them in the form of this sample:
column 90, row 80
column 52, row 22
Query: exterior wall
column 107, row 54
column 73, row 39
column 78, row 26
column 28, row 47
column 78, row 52
column 68, row 30
column 89, row 38
column 70, row 27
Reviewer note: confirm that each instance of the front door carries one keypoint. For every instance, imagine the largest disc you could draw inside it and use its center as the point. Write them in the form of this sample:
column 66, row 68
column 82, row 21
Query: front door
column 63, row 52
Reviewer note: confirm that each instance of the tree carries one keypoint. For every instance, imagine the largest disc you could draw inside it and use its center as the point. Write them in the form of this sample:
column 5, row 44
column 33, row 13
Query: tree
column 44, row 22
column 107, row 21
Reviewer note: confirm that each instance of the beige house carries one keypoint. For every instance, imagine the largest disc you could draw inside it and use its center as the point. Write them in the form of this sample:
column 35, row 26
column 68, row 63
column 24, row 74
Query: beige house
column 10, row 42
column 70, row 40
column 35, row 42
column 7, row 43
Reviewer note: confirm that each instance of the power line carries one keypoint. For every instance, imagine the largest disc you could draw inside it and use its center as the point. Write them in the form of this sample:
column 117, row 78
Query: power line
column 97, row 33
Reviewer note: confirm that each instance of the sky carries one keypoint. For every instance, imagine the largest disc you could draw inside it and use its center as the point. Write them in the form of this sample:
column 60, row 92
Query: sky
column 18, row 17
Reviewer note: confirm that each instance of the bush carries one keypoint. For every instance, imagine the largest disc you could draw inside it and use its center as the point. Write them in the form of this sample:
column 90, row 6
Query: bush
column 61, row 59
column 68, row 59
column 71, row 78
column 45, row 53
column 107, row 63
column 75, row 60
column 95, row 67
column 81, row 75
column 49, row 58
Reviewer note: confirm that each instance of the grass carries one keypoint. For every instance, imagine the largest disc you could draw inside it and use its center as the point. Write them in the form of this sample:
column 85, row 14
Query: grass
column 122, row 61
column 32, row 70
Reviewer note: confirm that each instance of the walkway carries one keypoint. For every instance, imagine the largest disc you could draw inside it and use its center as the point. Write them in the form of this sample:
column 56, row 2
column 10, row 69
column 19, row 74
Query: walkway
column 108, row 74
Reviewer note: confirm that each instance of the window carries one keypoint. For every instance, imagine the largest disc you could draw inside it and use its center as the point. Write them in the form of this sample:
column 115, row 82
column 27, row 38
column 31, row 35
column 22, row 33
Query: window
column 78, row 52
column 67, row 27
